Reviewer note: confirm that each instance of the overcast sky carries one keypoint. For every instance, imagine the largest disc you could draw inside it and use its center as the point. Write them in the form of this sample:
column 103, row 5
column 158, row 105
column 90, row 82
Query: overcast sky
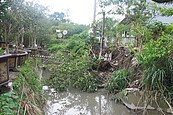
column 80, row 11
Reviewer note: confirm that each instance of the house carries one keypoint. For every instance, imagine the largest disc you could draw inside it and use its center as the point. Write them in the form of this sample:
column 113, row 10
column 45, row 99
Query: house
column 125, row 36
column 163, row 19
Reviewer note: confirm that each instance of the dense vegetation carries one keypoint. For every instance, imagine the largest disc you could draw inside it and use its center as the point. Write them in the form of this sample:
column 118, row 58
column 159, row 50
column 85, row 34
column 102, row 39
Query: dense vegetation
column 23, row 23
column 26, row 96
column 80, row 56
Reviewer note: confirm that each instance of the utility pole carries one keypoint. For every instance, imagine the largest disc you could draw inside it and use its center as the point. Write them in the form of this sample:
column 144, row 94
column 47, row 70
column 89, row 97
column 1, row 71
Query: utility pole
column 94, row 19
column 103, row 31
column 103, row 35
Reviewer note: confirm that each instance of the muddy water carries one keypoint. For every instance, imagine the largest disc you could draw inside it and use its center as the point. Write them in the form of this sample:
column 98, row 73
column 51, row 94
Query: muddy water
column 74, row 102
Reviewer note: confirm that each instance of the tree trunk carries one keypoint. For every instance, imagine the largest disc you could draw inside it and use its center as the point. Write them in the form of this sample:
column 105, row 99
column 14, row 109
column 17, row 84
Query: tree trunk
column 102, row 38
column 5, row 34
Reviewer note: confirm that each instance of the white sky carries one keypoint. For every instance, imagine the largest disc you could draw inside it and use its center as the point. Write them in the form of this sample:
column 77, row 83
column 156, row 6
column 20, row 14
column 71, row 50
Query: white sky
column 80, row 11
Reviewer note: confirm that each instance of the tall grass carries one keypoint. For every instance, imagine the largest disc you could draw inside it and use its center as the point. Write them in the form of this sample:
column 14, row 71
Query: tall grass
column 158, row 66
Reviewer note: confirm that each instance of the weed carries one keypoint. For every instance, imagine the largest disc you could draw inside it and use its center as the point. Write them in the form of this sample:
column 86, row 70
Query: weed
column 118, row 80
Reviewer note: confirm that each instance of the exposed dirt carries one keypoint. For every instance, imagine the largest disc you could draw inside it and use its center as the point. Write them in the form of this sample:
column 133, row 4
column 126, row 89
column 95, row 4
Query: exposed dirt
column 120, row 57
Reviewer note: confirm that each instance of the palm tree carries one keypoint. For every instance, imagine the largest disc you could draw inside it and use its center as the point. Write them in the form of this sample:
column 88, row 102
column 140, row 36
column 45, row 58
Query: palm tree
column 163, row 1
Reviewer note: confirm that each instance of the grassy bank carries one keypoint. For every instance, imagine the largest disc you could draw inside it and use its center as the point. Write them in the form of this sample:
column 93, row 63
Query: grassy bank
column 26, row 96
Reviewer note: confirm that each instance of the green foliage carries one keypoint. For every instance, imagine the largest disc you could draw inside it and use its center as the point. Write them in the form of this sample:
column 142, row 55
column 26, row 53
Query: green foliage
column 74, row 62
column 23, row 19
column 1, row 51
column 9, row 103
column 57, row 18
column 154, row 78
column 73, row 43
column 86, row 83
column 166, row 11
column 157, row 52
column 118, row 80
column 138, row 15
column 71, row 71
column 56, row 47
column 28, row 83
column 31, row 78
column 3, row 7
column 169, row 29
column 58, row 78
column 156, row 30
column 76, row 37
column 70, row 27
column 156, row 59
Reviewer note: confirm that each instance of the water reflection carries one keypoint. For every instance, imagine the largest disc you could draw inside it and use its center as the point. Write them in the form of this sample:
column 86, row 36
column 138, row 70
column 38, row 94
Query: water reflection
column 74, row 102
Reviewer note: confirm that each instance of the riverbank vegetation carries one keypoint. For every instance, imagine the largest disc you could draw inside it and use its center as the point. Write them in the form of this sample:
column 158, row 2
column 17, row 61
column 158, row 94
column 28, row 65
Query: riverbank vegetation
column 73, row 66
column 136, row 52
column 144, row 62
column 26, row 96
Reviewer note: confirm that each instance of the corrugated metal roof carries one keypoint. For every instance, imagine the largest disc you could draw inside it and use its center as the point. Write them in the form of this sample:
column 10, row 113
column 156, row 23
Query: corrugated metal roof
column 163, row 19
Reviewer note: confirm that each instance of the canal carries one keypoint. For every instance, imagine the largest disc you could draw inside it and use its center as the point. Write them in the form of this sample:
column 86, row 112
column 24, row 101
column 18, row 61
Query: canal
column 76, row 102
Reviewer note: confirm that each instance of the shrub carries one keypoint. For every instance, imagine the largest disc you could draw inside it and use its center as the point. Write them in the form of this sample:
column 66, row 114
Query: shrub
column 9, row 103
column 155, row 58
column 72, row 70
column 1, row 51
column 158, row 65
column 86, row 83
column 118, row 80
